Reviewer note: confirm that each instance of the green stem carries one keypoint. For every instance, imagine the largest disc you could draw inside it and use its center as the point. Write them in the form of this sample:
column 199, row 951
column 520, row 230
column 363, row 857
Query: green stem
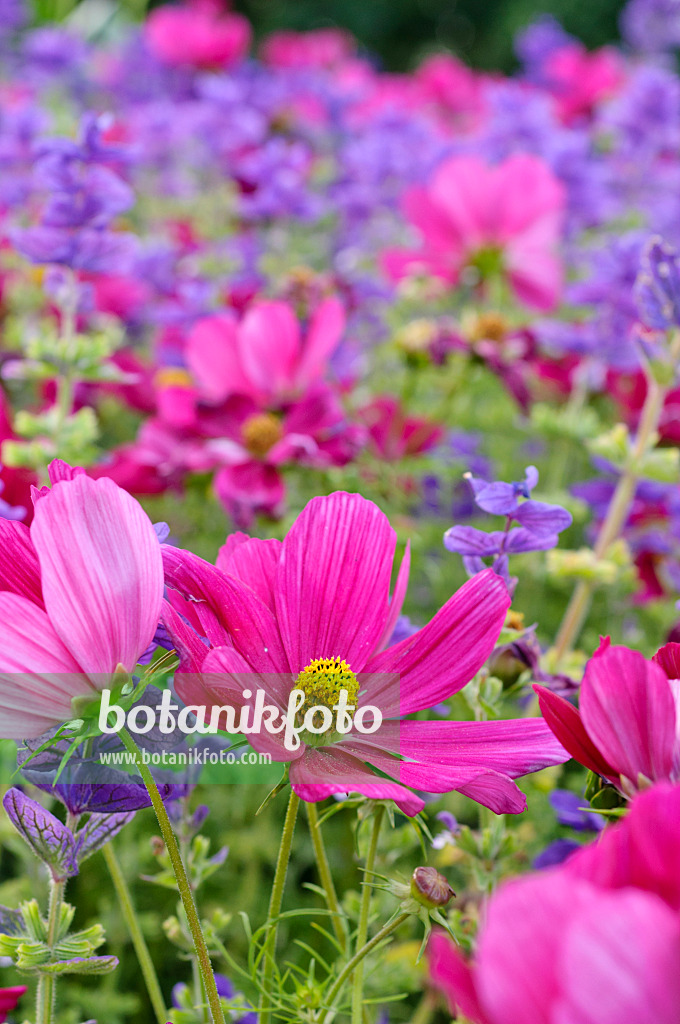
column 356, row 963
column 183, row 884
column 326, row 877
column 46, row 993
column 138, row 941
column 424, row 1011
column 275, row 901
column 364, row 909
column 617, row 513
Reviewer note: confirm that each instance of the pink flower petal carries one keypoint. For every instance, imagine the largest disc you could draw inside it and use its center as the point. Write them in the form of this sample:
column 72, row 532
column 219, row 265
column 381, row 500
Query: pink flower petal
column 455, row 977
column 234, row 613
column 269, row 346
column 333, row 580
column 619, row 962
column 102, row 573
column 567, row 725
column 38, row 674
column 462, row 190
column 323, row 337
column 326, row 770
column 213, row 357
column 444, row 655
column 668, row 657
column 189, row 646
column 254, row 562
column 19, row 566
column 629, row 712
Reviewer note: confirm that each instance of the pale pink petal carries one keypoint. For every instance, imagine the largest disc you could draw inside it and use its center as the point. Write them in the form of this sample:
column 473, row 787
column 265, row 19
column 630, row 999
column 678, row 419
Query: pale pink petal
column 444, row 655
column 19, row 566
column 453, row 975
column 333, row 580
column 629, row 712
column 619, row 962
column 462, row 190
column 269, row 346
column 102, row 572
column 323, row 337
column 38, row 675
column 530, row 193
column 397, row 599
column 213, row 357
column 325, row 771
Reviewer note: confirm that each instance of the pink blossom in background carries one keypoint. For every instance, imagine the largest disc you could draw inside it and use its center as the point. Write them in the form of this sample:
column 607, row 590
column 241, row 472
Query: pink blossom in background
column 502, row 220
column 580, row 80
column 595, row 941
column 321, row 48
column 393, row 433
column 627, row 728
column 271, row 610
column 9, row 997
column 452, row 91
column 266, row 356
column 198, row 35
column 80, row 594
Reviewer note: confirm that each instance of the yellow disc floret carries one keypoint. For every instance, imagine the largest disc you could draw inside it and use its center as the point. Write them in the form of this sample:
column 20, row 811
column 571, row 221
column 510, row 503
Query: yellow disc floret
column 322, row 682
column 261, row 432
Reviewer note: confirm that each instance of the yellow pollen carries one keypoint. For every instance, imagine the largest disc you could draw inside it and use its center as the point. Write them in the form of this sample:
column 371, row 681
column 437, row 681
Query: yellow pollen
column 261, row 432
column 322, row 680
column 172, row 377
column 489, row 327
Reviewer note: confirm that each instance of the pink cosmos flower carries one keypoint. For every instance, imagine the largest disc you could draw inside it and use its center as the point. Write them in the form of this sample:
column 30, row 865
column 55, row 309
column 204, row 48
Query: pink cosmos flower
column 453, row 92
column 322, row 48
column 265, row 356
column 80, row 594
column 254, row 446
column 394, row 434
column 197, row 35
column 580, row 80
column 504, row 219
column 595, row 941
column 627, row 728
column 314, row 612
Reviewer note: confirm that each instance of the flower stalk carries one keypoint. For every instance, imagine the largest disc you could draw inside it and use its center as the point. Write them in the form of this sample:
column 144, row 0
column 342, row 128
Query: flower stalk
column 183, row 884
column 364, row 911
column 326, row 877
column 275, row 901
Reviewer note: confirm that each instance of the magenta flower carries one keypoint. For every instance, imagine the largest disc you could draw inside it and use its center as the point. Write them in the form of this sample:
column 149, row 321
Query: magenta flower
column 314, row 613
column 265, row 355
column 595, row 941
column 80, row 594
column 321, row 48
column 197, row 35
column 500, row 220
column 627, row 728
column 9, row 997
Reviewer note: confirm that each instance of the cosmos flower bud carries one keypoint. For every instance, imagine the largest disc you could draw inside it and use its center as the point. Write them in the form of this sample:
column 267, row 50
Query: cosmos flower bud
column 430, row 888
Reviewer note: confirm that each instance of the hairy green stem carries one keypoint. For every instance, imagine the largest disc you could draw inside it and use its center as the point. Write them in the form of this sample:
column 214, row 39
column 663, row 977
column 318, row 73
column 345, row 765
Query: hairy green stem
column 364, row 910
column 138, row 941
column 617, row 513
column 183, row 884
column 46, row 992
column 326, row 877
column 275, row 901
column 356, row 963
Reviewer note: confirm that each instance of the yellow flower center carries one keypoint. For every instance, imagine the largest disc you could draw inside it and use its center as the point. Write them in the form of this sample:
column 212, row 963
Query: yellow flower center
column 172, row 377
column 489, row 327
column 261, row 432
column 322, row 682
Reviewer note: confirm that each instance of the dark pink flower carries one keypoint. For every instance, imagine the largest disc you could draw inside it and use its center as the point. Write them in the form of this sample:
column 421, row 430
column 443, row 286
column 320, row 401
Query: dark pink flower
column 9, row 997
column 500, row 220
column 314, row 612
column 197, row 35
column 580, row 80
column 322, row 48
column 627, row 728
column 265, row 355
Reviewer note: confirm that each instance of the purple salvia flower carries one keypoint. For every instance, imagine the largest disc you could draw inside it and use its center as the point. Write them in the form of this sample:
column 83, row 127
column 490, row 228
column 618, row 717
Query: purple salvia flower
column 657, row 289
column 569, row 810
column 53, row 843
